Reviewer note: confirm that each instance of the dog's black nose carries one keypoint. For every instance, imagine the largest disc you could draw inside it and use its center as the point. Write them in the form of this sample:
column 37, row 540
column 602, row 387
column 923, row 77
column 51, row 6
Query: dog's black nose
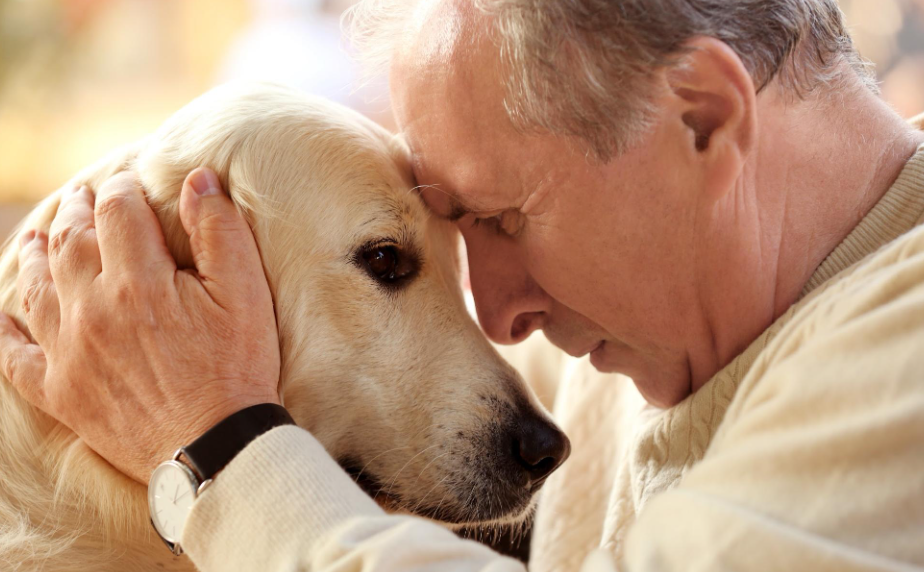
column 539, row 447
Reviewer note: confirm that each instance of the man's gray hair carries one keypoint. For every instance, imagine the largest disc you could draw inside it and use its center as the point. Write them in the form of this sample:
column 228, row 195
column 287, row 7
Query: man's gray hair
column 584, row 68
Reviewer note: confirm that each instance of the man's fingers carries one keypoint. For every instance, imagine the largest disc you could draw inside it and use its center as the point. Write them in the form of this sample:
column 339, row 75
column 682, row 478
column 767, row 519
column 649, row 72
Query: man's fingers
column 72, row 250
column 131, row 241
column 222, row 244
column 22, row 362
column 37, row 291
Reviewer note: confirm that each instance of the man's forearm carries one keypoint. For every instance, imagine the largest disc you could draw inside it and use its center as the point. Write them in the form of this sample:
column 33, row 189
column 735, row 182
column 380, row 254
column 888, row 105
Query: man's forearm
column 283, row 505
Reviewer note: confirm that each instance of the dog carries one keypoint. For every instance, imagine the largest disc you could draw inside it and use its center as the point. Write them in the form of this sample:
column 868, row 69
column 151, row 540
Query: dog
column 380, row 359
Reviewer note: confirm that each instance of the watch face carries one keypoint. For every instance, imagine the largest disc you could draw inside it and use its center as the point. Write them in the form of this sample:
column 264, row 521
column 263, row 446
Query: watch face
column 171, row 493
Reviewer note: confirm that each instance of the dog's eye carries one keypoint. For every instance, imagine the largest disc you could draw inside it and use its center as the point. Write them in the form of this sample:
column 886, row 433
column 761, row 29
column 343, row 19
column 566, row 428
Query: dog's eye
column 382, row 261
column 388, row 264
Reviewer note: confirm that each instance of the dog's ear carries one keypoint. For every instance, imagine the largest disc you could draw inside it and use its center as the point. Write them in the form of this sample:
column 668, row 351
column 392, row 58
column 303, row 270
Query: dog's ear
column 162, row 187
column 199, row 135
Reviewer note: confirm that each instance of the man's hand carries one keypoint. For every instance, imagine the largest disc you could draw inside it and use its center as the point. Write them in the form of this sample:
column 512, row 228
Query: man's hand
column 141, row 358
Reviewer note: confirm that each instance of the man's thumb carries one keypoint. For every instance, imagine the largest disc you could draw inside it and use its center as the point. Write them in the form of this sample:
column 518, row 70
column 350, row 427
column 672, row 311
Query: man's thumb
column 222, row 244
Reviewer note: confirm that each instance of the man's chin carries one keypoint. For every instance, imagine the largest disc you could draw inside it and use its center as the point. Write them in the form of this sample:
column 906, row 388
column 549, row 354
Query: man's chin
column 660, row 395
column 604, row 360
column 602, row 364
column 650, row 384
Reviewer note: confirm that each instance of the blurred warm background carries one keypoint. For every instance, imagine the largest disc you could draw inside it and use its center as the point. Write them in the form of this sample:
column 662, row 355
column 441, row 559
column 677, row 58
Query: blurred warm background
column 79, row 77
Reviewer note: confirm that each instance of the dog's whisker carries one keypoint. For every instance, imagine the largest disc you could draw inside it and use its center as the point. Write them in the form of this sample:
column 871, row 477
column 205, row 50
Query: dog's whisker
column 397, row 474
column 468, row 504
column 433, row 460
column 363, row 470
column 420, row 502
column 437, row 511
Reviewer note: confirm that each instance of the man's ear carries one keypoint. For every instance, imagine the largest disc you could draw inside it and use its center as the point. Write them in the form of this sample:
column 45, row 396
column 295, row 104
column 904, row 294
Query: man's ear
column 717, row 102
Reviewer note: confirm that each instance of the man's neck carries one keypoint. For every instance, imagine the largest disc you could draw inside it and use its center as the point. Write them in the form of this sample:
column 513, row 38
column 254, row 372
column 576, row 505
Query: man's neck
column 837, row 161
column 817, row 170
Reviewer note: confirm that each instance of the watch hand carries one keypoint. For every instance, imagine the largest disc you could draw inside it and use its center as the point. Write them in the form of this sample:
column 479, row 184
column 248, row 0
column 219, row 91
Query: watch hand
column 176, row 493
column 182, row 495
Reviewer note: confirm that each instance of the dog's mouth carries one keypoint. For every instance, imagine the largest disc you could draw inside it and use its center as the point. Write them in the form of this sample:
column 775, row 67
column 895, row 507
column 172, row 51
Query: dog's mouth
column 472, row 516
column 451, row 512
column 371, row 486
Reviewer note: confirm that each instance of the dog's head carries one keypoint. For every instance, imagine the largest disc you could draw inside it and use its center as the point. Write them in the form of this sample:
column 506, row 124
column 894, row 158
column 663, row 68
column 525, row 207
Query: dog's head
column 381, row 361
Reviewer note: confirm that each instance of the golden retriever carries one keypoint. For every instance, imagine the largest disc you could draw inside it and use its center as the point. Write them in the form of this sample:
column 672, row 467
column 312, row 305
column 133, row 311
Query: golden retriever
column 380, row 360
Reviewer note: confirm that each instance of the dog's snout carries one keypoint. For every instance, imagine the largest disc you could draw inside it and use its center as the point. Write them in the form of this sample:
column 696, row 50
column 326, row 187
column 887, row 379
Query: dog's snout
column 538, row 447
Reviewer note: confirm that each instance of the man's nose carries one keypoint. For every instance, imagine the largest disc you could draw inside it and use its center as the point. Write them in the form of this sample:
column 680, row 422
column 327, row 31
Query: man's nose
column 509, row 303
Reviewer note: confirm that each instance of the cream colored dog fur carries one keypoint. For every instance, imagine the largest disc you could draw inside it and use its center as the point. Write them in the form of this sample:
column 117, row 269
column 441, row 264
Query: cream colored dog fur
column 398, row 383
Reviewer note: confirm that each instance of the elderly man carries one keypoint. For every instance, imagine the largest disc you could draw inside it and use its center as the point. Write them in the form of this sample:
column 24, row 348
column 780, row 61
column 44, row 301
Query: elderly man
column 706, row 196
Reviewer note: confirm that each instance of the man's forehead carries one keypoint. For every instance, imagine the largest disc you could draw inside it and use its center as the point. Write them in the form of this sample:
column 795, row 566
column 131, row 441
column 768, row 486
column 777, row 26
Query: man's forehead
column 440, row 155
column 452, row 133
column 458, row 185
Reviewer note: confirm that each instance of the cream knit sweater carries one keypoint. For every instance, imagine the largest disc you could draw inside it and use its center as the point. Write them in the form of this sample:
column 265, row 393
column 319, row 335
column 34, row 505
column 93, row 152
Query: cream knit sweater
column 805, row 453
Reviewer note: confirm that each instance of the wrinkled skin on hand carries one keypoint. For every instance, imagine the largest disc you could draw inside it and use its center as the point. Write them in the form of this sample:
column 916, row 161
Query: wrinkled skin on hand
column 135, row 356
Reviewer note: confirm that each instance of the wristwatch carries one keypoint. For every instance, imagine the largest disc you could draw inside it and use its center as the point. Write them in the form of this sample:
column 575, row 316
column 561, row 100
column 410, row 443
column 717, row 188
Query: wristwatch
column 175, row 485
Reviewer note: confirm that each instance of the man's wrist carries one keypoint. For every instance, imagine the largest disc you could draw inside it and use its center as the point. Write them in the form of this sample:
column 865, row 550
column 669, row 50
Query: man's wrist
column 218, row 445
column 205, row 457
column 201, row 417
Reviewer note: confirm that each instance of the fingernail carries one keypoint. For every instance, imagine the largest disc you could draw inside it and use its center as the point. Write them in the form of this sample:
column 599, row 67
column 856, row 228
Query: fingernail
column 27, row 238
column 205, row 182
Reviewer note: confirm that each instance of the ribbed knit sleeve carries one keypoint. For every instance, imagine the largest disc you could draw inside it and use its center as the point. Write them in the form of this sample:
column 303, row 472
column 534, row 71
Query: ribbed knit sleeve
column 284, row 505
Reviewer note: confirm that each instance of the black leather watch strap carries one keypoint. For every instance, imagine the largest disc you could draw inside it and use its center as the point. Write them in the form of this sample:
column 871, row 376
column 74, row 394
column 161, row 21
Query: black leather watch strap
column 212, row 451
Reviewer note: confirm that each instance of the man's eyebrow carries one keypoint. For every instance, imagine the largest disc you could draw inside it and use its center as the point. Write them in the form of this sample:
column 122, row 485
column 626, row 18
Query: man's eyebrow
column 456, row 210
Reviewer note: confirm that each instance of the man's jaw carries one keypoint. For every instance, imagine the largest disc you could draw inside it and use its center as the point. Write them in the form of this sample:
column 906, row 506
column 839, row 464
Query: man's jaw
column 611, row 356
column 607, row 354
